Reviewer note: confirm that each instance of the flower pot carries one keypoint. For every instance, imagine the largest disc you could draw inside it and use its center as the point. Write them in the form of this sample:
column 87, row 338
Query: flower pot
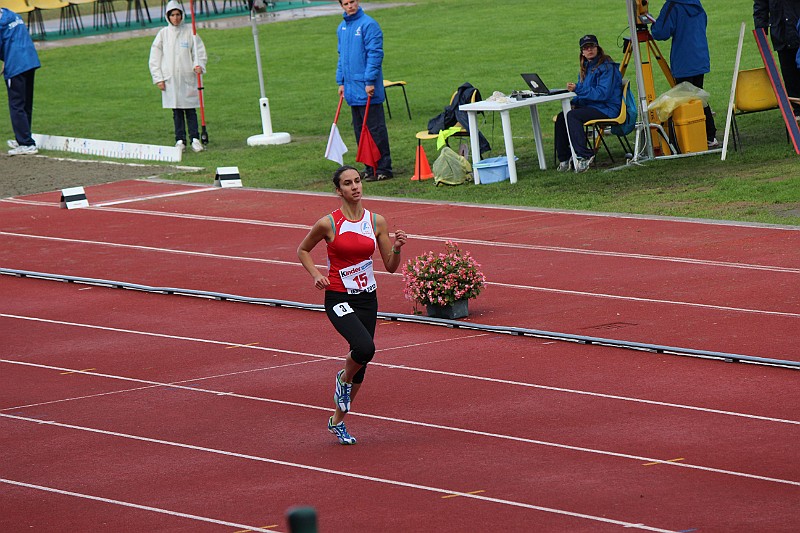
column 458, row 309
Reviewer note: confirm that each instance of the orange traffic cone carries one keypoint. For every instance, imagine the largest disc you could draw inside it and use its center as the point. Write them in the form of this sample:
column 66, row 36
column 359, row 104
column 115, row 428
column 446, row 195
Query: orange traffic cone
column 422, row 170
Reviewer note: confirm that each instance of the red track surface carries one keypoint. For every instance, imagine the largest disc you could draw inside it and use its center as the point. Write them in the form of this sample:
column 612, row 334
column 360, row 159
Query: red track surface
column 200, row 411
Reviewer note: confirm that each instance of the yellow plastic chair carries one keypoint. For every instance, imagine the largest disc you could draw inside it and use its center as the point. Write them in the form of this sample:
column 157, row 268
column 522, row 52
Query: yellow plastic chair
column 17, row 6
column 598, row 127
column 753, row 94
column 402, row 85
column 68, row 18
column 20, row 7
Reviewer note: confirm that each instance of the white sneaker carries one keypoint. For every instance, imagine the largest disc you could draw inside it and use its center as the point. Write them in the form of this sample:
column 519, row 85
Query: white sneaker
column 583, row 164
column 713, row 143
column 180, row 146
column 564, row 166
column 197, row 146
column 24, row 150
column 12, row 143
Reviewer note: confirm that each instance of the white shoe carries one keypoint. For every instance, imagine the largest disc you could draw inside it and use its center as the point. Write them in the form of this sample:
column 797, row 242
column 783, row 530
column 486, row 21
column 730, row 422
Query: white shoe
column 197, row 146
column 583, row 164
column 564, row 166
column 180, row 146
column 12, row 143
column 24, row 150
column 714, row 143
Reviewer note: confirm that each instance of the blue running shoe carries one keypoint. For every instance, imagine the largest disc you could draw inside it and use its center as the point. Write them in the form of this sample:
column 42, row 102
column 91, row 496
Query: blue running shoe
column 341, row 432
column 341, row 395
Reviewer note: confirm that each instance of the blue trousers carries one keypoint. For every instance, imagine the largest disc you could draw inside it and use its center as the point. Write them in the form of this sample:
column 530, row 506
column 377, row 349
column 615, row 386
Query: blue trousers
column 575, row 120
column 376, row 122
column 181, row 123
column 20, row 106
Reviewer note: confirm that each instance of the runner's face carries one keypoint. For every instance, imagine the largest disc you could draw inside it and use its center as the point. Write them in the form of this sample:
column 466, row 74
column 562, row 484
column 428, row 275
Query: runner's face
column 350, row 185
column 349, row 6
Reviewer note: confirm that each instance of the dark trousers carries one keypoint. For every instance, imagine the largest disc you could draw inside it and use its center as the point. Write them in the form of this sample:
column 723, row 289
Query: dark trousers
column 376, row 123
column 356, row 324
column 711, row 127
column 790, row 74
column 575, row 120
column 20, row 106
column 181, row 122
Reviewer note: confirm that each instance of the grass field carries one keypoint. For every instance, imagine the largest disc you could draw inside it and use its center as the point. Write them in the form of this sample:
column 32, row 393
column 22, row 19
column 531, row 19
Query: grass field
column 104, row 91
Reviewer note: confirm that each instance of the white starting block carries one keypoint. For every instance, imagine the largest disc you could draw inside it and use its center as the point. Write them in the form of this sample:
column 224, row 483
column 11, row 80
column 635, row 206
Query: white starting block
column 73, row 198
column 227, row 177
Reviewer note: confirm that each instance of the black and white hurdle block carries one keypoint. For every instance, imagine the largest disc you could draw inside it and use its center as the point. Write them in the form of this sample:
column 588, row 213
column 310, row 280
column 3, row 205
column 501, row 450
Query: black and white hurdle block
column 73, row 197
column 227, row 177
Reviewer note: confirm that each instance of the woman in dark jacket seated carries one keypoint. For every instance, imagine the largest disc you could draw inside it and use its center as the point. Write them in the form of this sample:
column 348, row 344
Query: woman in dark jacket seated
column 598, row 95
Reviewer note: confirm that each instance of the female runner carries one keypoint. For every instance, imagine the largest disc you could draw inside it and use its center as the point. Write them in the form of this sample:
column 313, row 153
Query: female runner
column 352, row 234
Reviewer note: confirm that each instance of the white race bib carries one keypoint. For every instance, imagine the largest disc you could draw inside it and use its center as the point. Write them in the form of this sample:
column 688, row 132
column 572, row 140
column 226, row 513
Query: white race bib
column 359, row 278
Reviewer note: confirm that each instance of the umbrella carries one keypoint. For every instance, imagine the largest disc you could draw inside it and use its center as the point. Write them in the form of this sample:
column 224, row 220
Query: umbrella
column 368, row 152
column 336, row 147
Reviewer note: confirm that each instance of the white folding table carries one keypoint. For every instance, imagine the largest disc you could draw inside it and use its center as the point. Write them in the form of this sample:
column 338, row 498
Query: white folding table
column 503, row 108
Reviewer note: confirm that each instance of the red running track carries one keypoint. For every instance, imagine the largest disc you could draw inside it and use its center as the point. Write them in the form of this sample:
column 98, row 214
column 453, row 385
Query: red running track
column 210, row 415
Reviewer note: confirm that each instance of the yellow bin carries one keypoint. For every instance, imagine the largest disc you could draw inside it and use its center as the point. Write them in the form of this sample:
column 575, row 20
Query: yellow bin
column 690, row 127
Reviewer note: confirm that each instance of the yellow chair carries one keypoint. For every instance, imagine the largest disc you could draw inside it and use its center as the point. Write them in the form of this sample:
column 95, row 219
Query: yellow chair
column 753, row 94
column 598, row 127
column 402, row 85
column 21, row 7
column 17, row 6
column 68, row 17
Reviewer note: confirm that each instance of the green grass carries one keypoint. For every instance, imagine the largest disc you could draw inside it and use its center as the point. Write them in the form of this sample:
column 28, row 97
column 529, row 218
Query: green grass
column 104, row 91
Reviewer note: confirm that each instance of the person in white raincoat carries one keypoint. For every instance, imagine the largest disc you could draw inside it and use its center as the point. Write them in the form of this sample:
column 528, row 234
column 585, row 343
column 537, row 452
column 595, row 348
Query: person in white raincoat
column 176, row 57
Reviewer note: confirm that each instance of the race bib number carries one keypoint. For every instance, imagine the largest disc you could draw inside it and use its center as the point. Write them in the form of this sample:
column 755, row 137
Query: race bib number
column 359, row 278
column 342, row 309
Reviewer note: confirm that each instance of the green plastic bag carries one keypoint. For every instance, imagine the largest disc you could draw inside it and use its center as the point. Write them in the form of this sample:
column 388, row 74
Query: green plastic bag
column 450, row 168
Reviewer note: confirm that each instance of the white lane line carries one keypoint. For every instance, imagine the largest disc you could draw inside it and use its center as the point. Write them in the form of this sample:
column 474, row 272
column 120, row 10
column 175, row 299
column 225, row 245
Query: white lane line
column 375, row 363
column 340, row 473
column 297, row 265
column 477, row 242
column 455, row 429
column 154, row 197
column 133, row 505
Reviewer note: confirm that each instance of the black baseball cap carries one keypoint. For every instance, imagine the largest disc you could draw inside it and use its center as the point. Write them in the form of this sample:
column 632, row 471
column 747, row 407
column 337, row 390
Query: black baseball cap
column 588, row 39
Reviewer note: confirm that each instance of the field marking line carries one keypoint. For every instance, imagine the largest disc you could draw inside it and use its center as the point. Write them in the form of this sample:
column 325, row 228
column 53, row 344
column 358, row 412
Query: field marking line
column 297, row 265
column 476, row 242
column 499, row 436
column 318, row 357
column 133, row 505
column 339, row 473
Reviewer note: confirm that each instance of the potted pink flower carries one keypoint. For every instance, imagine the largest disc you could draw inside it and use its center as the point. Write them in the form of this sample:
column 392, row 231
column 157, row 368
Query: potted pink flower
column 443, row 282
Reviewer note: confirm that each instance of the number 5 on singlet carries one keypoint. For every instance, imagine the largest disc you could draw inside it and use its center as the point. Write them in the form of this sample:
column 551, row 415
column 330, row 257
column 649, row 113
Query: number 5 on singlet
column 359, row 278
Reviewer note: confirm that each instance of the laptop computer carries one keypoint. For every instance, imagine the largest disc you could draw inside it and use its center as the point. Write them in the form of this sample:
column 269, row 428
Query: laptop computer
column 538, row 87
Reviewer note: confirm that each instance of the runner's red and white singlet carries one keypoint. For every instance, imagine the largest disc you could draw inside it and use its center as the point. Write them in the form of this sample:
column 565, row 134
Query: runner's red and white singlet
column 350, row 254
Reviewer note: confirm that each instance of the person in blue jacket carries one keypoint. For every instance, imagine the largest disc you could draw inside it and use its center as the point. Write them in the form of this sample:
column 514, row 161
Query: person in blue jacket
column 598, row 95
column 20, row 62
column 359, row 74
column 685, row 22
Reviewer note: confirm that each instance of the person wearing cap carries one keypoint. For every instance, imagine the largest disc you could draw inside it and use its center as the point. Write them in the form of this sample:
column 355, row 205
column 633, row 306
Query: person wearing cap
column 781, row 20
column 685, row 22
column 598, row 95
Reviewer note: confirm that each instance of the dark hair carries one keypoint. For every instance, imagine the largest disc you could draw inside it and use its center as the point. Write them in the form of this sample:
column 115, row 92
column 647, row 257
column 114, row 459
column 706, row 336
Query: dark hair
column 601, row 57
column 337, row 175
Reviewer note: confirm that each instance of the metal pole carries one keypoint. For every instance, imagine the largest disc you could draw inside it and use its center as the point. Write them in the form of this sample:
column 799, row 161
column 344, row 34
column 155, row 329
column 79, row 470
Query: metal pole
column 641, row 91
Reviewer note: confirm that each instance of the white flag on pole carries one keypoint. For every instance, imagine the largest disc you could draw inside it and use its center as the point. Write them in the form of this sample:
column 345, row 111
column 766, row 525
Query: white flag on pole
column 336, row 147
